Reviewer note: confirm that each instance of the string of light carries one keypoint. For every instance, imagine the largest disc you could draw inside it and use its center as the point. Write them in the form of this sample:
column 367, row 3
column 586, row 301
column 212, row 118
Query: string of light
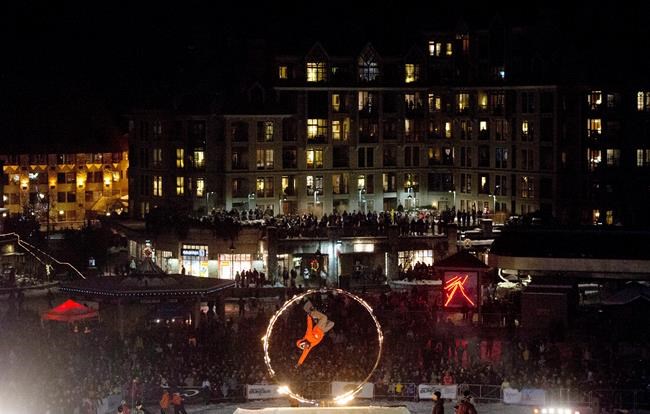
column 28, row 246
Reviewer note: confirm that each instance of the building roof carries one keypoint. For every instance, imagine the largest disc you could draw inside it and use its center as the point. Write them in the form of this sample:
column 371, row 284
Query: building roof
column 148, row 280
column 583, row 243
column 463, row 260
column 145, row 285
column 631, row 293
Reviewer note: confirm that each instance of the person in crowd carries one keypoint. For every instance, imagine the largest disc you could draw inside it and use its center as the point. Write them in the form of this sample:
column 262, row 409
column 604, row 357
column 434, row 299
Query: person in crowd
column 139, row 408
column 179, row 403
column 164, row 402
column 438, row 403
column 100, row 364
column 125, row 407
column 206, row 390
column 447, row 379
column 465, row 405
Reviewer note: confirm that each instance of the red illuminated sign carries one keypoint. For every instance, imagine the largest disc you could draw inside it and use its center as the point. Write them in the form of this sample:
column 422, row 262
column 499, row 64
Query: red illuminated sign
column 459, row 290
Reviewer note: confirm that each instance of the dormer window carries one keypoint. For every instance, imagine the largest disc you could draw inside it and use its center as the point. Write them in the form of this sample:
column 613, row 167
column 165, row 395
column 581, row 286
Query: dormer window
column 411, row 72
column 435, row 48
column 316, row 71
column 283, row 72
column 368, row 68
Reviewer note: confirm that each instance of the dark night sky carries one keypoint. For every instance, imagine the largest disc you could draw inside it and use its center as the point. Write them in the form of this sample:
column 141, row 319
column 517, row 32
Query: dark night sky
column 72, row 68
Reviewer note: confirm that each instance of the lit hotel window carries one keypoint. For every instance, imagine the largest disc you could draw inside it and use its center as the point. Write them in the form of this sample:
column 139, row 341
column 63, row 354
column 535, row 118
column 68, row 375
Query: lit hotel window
column 199, row 158
column 268, row 131
column 435, row 48
column 200, row 187
column 643, row 101
column 180, row 185
column 594, row 99
column 264, row 159
column 264, row 187
column 482, row 101
column 527, row 187
column 595, row 216
column 594, row 126
column 157, row 157
column 411, row 72
column 594, row 158
column 336, row 130
column 157, row 186
column 434, row 102
column 613, row 157
column 315, row 71
column 524, row 129
column 180, row 158
column 368, row 68
column 282, row 72
column 314, row 158
column 336, row 102
column 316, row 128
column 462, row 101
column 642, row 157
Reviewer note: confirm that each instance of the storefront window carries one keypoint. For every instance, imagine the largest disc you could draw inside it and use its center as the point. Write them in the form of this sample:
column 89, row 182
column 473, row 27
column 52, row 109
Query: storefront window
column 194, row 258
column 230, row 264
column 411, row 257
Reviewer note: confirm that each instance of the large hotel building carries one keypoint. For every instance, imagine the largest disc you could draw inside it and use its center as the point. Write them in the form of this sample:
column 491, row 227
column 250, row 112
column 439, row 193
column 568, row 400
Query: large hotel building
column 65, row 190
column 458, row 119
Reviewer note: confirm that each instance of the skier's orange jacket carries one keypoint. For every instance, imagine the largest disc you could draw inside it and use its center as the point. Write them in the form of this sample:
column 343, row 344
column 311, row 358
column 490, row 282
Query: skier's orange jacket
column 313, row 335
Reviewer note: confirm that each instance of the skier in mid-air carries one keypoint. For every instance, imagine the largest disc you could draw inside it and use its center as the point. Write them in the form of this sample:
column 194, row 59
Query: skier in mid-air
column 317, row 326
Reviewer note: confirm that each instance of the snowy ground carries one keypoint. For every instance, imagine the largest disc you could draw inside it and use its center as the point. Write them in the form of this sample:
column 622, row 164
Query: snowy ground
column 423, row 407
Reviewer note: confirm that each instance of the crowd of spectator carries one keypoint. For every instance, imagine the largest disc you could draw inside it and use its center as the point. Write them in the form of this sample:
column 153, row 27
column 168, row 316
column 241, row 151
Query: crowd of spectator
column 250, row 278
column 55, row 368
column 356, row 223
column 418, row 271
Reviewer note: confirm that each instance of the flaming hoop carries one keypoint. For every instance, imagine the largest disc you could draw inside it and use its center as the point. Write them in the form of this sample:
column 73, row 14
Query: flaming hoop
column 339, row 399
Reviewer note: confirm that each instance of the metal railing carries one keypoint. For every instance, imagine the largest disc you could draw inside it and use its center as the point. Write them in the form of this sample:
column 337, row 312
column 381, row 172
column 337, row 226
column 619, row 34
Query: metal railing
column 397, row 391
column 484, row 393
column 608, row 399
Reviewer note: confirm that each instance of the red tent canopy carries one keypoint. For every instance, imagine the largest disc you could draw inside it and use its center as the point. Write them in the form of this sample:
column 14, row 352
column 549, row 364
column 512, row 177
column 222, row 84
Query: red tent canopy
column 69, row 311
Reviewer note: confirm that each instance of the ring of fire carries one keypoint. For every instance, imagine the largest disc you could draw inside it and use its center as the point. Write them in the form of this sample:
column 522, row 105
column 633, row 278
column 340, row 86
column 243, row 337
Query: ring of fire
column 339, row 399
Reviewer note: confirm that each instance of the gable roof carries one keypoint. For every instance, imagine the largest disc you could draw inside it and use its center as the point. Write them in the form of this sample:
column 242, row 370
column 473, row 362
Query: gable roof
column 581, row 243
column 631, row 293
column 461, row 259
column 414, row 55
column 369, row 51
column 317, row 51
